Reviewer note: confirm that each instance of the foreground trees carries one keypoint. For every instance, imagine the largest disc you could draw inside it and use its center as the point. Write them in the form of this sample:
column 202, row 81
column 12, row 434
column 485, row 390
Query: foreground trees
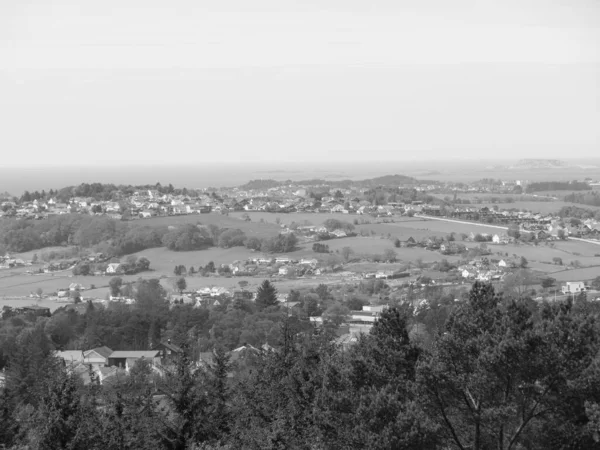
column 502, row 374
column 497, row 379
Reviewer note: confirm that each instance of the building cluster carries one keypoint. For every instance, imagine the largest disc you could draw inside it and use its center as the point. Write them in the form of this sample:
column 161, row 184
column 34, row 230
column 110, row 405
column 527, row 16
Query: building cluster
column 536, row 225
column 105, row 364
column 8, row 262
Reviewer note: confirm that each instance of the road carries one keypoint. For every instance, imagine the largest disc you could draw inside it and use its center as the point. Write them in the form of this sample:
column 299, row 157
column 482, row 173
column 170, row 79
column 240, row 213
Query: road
column 461, row 221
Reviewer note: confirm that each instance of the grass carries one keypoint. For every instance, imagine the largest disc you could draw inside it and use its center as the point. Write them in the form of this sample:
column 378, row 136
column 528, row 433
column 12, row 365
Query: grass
column 443, row 228
column 589, row 273
column 537, row 207
column 252, row 229
column 15, row 282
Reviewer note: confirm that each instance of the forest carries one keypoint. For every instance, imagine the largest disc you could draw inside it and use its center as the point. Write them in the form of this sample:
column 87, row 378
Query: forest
column 558, row 186
column 588, row 198
column 118, row 238
column 499, row 373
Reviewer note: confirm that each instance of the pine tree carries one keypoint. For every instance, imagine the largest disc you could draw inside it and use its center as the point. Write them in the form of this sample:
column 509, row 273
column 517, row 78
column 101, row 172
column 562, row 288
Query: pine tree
column 57, row 420
column 266, row 295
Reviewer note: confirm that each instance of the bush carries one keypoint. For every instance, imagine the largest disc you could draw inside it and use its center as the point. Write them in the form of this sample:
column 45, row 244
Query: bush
column 231, row 238
column 335, row 224
column 320, row 248
column 186, row 238
column 279, row 244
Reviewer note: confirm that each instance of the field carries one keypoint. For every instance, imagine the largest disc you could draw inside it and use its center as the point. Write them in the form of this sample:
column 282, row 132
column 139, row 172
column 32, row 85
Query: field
column 254, row 228
column 16, row 282
column 442, row 228
column 589, row 273
column 538, row 207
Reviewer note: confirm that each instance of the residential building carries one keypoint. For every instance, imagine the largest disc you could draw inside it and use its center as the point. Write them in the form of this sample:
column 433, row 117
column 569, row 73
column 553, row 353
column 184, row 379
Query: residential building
column 127, row 358
column 573, row 287
column 97, row 357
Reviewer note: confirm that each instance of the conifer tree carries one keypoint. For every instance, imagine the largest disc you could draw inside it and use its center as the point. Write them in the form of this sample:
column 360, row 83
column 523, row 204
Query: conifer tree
column 266, row 295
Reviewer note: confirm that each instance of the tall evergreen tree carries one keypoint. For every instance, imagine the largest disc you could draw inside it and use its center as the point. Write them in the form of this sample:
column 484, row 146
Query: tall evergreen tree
column 494, row 377
column 266, row 295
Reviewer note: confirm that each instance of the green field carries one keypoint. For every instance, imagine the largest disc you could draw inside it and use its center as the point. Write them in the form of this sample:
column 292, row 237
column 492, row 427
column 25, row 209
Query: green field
column 442, row 228
column 16, row 282
column 537, row 207
column 254, row 228
column 589, row 273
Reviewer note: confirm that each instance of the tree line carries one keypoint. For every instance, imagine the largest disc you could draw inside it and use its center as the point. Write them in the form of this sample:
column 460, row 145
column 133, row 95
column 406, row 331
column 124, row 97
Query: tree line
column 117, row 238
column 558, row 186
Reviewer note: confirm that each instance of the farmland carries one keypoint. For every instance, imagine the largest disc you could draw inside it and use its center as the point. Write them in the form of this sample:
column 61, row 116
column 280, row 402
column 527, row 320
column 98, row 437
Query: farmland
column 252, row 229
column 538, row 207
column 374, row 239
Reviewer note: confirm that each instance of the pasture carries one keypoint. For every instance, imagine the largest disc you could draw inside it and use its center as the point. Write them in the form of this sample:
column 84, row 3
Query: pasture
column 442, row 227
column 252, row 229
column 568, row 251
column 163, row 261
column 537, row 207
column 586, row 274
column 16, row 282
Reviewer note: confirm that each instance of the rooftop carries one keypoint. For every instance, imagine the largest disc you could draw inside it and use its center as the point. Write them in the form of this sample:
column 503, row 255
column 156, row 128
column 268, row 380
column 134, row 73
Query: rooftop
column 135, row 354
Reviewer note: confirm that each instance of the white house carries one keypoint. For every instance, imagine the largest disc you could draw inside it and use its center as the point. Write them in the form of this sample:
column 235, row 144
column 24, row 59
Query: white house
column 97, row 357
column 466, row 273
column 573, row 287
column 500, row 239
column 113, row 268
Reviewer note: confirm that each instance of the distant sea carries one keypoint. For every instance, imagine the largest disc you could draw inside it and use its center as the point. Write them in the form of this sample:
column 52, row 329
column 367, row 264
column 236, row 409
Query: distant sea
column 15, row 180
column 18, row 179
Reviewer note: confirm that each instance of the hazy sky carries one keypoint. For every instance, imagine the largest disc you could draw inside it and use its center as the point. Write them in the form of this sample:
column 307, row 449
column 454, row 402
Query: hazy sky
column 277, row 80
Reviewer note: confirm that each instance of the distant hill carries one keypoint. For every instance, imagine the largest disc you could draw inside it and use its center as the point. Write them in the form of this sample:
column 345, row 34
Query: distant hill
column 386, row 180
column 529, row 164
column 261, row 184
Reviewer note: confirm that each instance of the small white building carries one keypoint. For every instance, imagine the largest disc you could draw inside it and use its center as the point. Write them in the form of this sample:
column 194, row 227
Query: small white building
column 113, row 268
column 573, row 287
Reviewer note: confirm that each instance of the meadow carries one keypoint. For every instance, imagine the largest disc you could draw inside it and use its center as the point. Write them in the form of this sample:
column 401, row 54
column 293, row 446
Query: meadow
column 537, row 207
column 588, row 273
column 16, row 282
column 252, row 229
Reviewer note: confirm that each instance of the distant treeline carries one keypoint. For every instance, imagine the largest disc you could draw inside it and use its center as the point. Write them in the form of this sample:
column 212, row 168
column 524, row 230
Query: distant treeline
column 101, row 191
column 116, row 238
column 558, row 186
column 386, row 180
column 579, row 213
column 588, row 198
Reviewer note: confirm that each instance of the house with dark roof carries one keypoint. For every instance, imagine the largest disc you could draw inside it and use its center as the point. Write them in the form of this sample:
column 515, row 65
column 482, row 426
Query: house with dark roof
column 127, row 358
column 169, row 352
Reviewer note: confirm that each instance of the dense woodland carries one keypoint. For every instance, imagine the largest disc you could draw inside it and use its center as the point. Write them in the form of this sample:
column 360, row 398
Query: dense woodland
column 500, row 373
column 558, row 186
column 117, row 238
column 579, row 213
column 99, row 191
column 591, row 198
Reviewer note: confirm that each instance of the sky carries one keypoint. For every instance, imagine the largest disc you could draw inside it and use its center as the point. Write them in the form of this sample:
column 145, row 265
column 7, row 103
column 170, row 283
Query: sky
column 275, row 81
